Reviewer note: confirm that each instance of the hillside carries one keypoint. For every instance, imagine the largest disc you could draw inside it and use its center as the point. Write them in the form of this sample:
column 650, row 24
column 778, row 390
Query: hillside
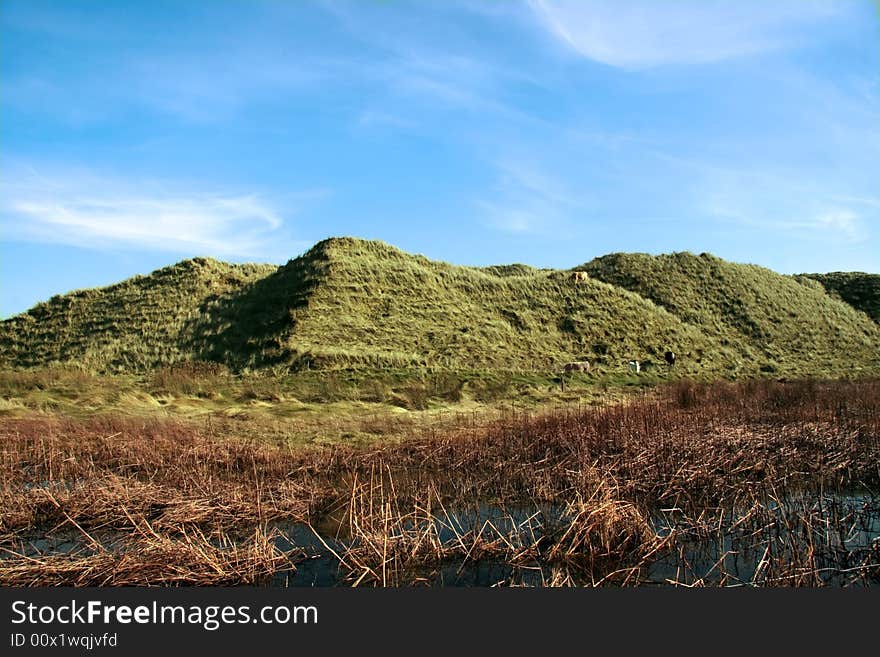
column 355, row 303
column 377, row 306
column 140, row 323
column 860, row 290
column 776, row 321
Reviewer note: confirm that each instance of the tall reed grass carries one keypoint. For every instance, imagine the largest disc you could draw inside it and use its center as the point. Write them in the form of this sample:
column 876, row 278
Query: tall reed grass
column 583, row 496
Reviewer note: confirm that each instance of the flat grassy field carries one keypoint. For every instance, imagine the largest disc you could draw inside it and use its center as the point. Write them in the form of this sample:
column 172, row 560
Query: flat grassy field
column 353, row 406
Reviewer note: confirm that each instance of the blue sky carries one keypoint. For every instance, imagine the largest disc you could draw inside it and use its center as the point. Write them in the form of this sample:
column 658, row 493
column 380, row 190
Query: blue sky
column 136, row 134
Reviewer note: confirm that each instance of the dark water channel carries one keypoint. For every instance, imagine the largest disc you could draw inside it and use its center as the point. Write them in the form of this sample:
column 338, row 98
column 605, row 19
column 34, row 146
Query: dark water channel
column 829, row 540
column 833, row 537
column 816, row 540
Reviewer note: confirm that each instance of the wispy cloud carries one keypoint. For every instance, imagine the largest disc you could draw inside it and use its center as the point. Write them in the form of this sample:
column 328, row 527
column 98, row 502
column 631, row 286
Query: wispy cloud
column 193, row 88
column 206, row 75
column 384, row 62
column 85, row 210
column 646, row 33
column 845, row 222
column 376, row 118
column 525, row 199
column 829, row 225
column 444, row 68
column 794, row 207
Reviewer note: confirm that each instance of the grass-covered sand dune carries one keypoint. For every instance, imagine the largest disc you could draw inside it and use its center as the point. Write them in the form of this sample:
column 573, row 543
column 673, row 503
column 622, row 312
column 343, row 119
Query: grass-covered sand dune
column 858, row 289
column 134, row 325
column 781, row 323
column 364, row 304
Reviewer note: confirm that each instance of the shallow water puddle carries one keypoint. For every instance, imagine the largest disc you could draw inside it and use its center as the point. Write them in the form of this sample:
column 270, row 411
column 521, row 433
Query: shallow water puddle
column 834, row 536
column 830, row 539
column 807, row 539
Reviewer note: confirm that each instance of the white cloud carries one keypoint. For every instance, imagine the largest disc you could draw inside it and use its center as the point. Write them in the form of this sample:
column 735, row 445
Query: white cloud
column 377, row 118
column 645, row 33
column 843, row 222
column 396, row 63
column 526, row 199
column 512, row 218
column 430, row 60
column 783, row 204
column 85, row 210
column 194, row 88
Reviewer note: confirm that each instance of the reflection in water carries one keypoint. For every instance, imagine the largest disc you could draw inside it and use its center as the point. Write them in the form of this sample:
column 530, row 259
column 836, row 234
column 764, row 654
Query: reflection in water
column 833, row 536
column 828, row 539
column 806, row 539
column 317, row 566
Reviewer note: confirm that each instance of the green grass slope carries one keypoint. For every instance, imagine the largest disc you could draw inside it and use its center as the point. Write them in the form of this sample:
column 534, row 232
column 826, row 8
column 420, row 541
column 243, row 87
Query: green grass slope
column 778, row 323
column 379, row 306
column 860, row 290
column 138, row 324
column 365, row 304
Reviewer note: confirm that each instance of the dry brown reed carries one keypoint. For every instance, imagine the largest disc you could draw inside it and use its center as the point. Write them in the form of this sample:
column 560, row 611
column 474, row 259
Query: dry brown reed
column 148, row 558
column 583, row 496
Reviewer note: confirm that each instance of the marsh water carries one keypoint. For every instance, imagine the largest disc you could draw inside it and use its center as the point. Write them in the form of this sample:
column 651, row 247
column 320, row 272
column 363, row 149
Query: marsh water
column 834, row 536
